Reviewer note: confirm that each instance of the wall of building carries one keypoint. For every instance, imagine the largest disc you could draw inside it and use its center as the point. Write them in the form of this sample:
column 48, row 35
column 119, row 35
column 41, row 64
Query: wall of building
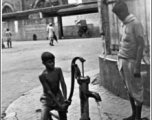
column 48, row 3
column 24, row 29
column 14, row 26
column 38, row 27
column 16, row 4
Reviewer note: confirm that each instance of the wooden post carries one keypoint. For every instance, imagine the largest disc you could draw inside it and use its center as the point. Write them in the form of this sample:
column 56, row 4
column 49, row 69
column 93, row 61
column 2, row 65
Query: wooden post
column 60, row 27
column 104, row 24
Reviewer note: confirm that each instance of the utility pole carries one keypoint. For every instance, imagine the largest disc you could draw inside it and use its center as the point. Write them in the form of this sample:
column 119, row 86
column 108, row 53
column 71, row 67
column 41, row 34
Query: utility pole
column 104, row 24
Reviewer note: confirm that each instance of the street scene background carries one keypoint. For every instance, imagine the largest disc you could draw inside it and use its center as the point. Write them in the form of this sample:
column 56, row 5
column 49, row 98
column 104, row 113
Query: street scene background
column 21, row 89
column 22, row 64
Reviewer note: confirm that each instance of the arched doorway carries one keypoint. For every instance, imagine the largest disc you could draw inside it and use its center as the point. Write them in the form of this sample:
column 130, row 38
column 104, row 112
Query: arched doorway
column 7, row 8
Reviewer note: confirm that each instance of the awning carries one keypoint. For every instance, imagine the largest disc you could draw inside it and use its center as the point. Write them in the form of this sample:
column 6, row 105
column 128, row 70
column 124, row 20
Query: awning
column 80, row 9
column 23, row 14
column 63, row 10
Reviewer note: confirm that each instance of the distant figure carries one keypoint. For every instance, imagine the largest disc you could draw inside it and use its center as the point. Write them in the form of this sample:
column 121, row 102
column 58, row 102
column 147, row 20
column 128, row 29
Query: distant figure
column 50, row 31
column 129, row 57
column 34, row 37
column 51, row 79
column 8, row 36
column 3, row 45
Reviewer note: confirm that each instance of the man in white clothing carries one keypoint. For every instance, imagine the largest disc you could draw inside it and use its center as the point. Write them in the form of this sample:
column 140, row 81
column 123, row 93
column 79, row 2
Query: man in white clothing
column 50, row 31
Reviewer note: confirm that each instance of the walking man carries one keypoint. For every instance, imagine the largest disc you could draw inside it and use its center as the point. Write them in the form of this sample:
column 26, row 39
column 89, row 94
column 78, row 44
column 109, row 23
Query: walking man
column 8, row 36
column 130, row 56
column 50, row 31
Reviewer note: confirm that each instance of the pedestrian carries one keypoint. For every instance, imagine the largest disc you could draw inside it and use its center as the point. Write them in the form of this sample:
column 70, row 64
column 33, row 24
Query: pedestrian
column 52, row 98
column 50, row 31
column 3, row 45
column 130, row 56
column 8, row 36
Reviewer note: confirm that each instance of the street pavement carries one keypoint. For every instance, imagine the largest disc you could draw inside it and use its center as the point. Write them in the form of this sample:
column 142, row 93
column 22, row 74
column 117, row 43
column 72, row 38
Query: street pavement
column 27, row 106
column 22, row 64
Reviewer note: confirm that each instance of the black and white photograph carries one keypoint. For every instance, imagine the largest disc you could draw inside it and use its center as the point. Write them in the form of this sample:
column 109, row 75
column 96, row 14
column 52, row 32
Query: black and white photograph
column 75, row 59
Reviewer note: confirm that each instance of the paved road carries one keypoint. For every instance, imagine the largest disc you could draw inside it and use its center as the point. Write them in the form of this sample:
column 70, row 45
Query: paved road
column 28, row 106
column 21, row 65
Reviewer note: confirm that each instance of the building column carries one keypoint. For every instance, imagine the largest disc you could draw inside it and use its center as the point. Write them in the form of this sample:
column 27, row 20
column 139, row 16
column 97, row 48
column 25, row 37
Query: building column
column 60, row 27
column 60, row 2
column 104, row 24
column 23, row 5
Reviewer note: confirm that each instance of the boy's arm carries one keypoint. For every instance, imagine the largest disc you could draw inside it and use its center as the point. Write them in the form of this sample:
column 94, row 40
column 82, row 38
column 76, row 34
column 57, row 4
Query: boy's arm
column 63, row 85
column 45, row 85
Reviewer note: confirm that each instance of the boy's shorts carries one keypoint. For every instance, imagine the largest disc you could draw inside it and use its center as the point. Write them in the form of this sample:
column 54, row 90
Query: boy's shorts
column 46, row 100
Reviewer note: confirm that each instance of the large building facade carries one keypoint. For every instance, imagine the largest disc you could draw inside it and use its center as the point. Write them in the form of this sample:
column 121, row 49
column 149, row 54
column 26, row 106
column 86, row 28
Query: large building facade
column 25, row 29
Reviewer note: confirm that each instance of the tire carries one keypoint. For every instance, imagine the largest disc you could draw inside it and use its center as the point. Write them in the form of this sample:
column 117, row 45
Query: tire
column 88, row 33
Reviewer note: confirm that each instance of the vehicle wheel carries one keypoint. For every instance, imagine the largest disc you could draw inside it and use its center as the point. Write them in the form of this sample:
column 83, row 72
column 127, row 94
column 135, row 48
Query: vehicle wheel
column 89, row 33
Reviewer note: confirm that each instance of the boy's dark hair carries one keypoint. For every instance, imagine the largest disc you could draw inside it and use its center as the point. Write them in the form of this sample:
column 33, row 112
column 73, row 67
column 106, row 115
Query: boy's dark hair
column 120, row 6
column 7, row 29
column 47, row 56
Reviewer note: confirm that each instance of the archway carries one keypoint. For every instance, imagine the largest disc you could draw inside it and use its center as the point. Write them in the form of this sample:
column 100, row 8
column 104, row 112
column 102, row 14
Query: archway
column 7, row 8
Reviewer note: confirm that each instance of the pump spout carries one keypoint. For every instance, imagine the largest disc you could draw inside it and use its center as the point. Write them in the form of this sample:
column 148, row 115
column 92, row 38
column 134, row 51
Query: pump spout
column 78, row 58
column 94, row 95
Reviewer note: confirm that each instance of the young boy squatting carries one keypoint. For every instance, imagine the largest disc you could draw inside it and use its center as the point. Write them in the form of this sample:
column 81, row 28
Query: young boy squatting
column 52, row 98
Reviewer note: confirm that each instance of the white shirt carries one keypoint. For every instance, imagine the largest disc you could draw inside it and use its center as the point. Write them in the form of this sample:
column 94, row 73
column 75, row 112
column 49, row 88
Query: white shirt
column 50, row 31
